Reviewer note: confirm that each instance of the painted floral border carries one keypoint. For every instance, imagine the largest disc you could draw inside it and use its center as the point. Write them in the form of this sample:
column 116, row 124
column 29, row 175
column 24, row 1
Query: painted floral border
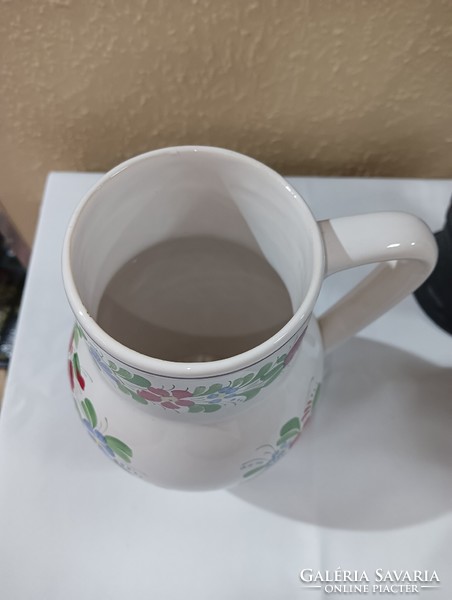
column 199, row 399
column 289, row 433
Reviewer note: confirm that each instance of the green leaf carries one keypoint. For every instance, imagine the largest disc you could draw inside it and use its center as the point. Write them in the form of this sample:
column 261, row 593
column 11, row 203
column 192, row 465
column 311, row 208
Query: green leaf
column 76, row 336
column 122, row 456
column 264, row 370
column 277, row 370
column 85, row 410
column 208, row 408
column 134, row 379
column 213, row 388
column 196, row 408
column 199, row 391
column 123, row 388
column 80, row 331
column 293, row 424
column 261, row 373
column 281, row 358
column 253, row 471
column 76, row 360
column 134, row 395
column 124, row 374
column 270, row 378
column 288, row 436
column 137, row 398
column 251, row 393
column 247, row 379
column 90, row 412
column 112, row 366
column 238, row 382
column 140, row 381
column 117, row 446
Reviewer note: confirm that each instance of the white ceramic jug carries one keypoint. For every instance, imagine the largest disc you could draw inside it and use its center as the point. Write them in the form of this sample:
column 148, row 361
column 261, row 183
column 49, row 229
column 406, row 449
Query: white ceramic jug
column 207, row 425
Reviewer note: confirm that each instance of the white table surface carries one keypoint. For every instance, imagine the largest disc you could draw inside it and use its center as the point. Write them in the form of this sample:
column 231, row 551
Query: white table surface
column 368, row 486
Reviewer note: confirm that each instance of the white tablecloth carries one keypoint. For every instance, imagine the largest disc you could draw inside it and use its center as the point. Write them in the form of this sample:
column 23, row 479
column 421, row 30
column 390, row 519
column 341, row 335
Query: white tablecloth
column 368, row 486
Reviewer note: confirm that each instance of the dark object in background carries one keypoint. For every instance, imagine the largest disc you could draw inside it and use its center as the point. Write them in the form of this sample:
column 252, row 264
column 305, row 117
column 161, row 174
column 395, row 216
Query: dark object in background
column 14, row 257
column 12, row 277
column 435, row 294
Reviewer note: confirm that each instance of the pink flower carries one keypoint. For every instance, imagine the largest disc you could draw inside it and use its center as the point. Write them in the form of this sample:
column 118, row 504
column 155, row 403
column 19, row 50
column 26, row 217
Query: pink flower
column 168, row 398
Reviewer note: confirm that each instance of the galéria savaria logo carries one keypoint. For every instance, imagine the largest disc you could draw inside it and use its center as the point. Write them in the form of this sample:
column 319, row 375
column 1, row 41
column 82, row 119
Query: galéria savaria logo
column 380, row 581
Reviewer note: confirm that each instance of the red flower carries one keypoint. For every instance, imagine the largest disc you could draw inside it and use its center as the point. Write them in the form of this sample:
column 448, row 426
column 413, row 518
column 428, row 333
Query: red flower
column 167, row 398
column 74, row 370
column 71, row 374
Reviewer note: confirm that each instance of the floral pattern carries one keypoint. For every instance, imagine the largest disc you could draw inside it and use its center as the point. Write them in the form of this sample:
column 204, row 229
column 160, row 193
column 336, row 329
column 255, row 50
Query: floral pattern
column 200, row 399
column 168, row 399
column 75, row 372
column 111, row 446
column 288, row 435
column 270, row 454
column 97, row 428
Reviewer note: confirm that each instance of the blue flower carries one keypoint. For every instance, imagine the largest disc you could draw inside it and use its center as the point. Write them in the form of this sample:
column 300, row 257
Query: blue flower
column 99, row 439
column 97, row 357
column 229, row 390
column 277, row 454
column 225, row 393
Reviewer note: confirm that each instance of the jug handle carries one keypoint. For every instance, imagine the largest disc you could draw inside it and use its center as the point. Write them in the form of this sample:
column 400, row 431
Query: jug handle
column 401, row 242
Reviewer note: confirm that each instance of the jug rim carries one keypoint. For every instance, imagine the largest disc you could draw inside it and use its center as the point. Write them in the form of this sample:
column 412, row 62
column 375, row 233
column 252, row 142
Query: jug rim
column 223, row 366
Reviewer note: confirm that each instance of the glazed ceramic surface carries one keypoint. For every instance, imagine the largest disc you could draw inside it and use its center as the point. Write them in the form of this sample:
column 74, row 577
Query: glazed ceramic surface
column 214, row 424
column 177, row 453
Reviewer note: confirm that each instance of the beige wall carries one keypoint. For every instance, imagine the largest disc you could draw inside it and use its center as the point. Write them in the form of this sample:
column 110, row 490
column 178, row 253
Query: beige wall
column 352, row 87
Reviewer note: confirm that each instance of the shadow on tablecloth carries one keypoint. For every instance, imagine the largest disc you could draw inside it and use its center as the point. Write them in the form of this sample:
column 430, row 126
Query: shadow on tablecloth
column 377, row 453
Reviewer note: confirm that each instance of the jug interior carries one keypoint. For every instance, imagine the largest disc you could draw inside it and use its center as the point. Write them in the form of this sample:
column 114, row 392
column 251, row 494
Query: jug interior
column 192, row 255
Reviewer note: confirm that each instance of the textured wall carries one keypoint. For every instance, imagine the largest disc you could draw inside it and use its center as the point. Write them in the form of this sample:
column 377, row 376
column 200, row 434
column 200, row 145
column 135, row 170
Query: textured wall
column 350, row 87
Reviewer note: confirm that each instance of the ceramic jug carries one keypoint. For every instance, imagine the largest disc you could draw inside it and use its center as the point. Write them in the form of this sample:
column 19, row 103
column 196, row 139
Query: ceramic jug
column 208, row 425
